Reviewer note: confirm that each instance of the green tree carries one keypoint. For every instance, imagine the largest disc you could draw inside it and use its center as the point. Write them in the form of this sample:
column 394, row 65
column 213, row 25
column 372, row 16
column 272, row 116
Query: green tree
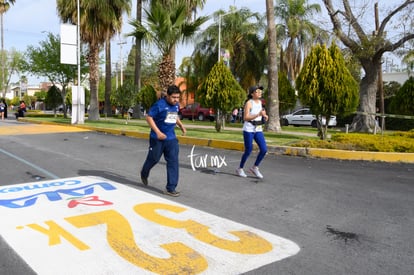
column 191, row 9
column 188, row 70
column 403, row 101
column 40, row 96
column 298, row 31
column 369, row 48
column 166, row 25
column 149, row 68
column 99, row 20
column 241, row 32
column 13, row 62
column 4, row 7
column 287, row 96
column 409, row 60
column 29, row 100
column 45, row 61
column 391, row 88
column 53, row 98
column 326, row 85
column 124, row 97
column 147, row 96
column 221, row 91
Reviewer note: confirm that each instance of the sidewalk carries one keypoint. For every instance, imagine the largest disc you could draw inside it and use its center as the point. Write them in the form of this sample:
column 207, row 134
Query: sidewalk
column 211, row 127
column 276, row 150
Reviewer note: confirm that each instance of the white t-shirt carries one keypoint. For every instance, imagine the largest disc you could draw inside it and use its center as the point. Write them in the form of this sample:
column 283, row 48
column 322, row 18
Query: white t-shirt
column 256, row 108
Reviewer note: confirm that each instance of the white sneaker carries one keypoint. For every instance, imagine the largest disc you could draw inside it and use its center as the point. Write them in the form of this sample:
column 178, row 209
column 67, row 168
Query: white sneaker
column 256, row 172
column 240, row 172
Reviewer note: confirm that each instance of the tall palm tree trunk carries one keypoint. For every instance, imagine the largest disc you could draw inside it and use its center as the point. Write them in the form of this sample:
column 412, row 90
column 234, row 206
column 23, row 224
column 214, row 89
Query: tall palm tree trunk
column 273, row 102
column 108, row 77
column 138, row 53
column 93, row 81
column 4, row 7
column 3, row 59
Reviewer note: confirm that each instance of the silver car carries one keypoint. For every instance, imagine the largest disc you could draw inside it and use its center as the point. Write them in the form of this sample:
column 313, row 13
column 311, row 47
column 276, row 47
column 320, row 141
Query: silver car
column 304, row 117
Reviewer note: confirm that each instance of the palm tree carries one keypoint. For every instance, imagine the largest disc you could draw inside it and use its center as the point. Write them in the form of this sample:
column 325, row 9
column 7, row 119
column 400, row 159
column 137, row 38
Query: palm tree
column 192, row 6
column 4, row 7
column 191, row 9
column 273, row 108
column 241, row 36
column 138, row 52
column 99, row 19
column 108, row 77
column 166, row 25
column 299, row 31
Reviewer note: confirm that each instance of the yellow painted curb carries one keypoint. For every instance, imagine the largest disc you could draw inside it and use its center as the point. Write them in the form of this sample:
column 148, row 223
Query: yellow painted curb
column 276, row 150
column 361, row 155
column 193, row 141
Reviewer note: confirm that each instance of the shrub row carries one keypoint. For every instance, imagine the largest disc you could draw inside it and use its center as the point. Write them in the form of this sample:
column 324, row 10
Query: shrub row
column 402, row 142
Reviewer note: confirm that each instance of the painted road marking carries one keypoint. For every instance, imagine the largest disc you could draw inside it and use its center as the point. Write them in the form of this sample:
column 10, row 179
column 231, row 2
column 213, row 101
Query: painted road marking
column 31, row 129
column 90, row 225
column 34, row 166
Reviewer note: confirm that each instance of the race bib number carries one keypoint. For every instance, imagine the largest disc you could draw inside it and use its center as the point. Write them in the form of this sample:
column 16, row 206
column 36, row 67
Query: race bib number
column 171, row 117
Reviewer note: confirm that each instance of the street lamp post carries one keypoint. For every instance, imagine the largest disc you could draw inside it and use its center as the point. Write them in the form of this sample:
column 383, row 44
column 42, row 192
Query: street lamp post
column 219, row 33
column 120, row 56
column 78, row 111
column 219, row 48
column 219, row 39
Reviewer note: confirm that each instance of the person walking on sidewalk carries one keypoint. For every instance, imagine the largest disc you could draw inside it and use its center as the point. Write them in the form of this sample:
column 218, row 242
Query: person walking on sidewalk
column 3, row 108
column 162, row 119
column 254, row 117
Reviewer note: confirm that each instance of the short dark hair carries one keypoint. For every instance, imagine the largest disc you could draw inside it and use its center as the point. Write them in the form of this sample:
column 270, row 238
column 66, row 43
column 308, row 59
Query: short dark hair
column 173, row 89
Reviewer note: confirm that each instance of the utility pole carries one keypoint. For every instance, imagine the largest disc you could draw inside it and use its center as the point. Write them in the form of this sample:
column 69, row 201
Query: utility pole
column 380, row 84
column 219, row 33
column 120, row 56
column 3, row 59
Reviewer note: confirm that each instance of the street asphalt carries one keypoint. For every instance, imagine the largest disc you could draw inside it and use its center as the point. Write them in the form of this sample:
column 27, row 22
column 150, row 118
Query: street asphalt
column 277, row 150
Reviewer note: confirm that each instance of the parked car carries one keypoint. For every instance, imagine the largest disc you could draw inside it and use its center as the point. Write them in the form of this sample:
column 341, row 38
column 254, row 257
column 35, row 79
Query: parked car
column 304, row 117
column 197, row 112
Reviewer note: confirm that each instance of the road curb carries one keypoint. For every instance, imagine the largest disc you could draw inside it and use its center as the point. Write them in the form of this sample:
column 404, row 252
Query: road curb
column 275, row 150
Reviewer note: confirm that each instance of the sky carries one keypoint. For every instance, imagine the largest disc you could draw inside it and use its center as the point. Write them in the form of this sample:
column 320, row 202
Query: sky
column 27, row 23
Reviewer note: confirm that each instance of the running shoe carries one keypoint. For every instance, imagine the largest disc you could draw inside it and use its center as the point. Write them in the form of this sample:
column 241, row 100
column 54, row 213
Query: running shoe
column 240, row 172
column 256, row 172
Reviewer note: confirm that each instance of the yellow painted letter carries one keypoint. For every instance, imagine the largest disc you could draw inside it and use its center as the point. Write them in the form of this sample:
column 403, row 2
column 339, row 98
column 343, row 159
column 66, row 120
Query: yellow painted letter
column 248, row 243
column 120, row 237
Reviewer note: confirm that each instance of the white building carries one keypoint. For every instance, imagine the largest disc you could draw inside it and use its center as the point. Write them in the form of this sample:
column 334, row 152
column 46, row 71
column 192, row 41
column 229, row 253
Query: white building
column 399, row 77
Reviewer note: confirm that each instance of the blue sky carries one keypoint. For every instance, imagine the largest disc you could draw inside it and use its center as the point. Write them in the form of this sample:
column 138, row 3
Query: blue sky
column 27, row 23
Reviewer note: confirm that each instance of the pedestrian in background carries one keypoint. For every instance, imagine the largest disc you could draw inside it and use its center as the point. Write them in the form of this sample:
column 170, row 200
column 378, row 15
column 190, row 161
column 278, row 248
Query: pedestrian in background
column 254, row 116
column 3, row 108
column 162, row 118
column 6, row 109
column 21, row 109
column 234, row 115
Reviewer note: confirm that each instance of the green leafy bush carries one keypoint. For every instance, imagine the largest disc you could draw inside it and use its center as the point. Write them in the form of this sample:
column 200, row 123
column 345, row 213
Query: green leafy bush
column 402, row 142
